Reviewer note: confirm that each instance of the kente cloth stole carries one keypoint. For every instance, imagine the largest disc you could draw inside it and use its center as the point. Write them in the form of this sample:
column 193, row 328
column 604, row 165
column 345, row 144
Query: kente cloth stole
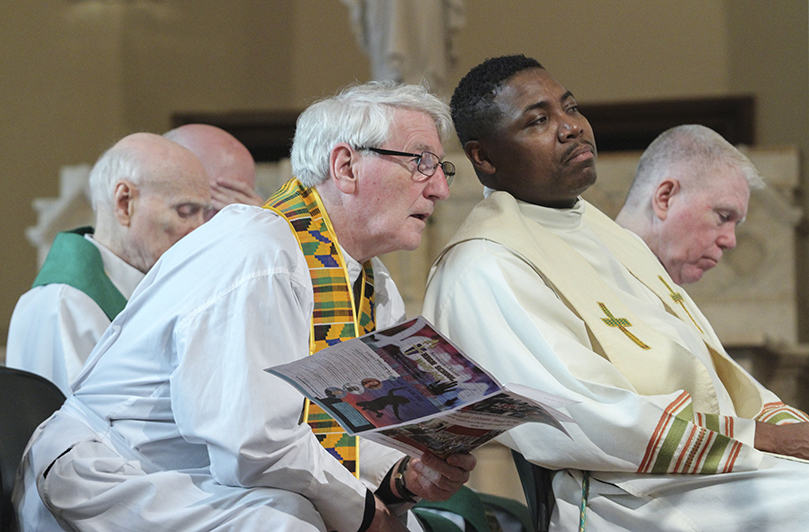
column 335, row 317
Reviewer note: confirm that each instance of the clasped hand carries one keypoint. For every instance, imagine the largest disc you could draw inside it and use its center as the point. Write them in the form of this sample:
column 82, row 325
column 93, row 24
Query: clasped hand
column 436, row 479
column 790, row 439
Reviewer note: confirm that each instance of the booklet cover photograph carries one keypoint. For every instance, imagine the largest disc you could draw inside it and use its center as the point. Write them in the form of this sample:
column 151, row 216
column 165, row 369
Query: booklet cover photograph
column 410, row 388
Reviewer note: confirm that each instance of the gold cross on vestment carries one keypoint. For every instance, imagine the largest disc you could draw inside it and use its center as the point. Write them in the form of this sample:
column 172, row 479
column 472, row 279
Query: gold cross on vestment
column 679, row 299
column 621, row 324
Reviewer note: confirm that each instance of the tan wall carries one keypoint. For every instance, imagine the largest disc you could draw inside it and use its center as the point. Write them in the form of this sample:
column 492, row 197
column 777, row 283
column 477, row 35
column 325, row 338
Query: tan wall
column 618, row 50
column 325, row 56
column 49, row 115
column 75, row 76
column 770, row 58
column 205, row 55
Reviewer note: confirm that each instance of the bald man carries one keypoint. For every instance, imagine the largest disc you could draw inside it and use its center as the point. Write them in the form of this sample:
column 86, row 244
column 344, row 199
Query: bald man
column 174, row 425
column 230, row 167
column 147, row 193
column 689, row 194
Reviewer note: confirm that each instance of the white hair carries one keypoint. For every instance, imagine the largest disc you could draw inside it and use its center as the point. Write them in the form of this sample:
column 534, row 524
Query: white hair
column 117, row 163
column 360, row 115
column 680, row 149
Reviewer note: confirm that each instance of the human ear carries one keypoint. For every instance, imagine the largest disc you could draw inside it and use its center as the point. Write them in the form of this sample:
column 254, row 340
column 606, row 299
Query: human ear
column 342, row 173
column 663, row 195
column 124, row 202
column 477, row 154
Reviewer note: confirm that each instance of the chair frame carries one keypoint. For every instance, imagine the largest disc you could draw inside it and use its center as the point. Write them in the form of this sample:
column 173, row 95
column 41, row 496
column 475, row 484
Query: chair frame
column 28, row 399
column 537, row 485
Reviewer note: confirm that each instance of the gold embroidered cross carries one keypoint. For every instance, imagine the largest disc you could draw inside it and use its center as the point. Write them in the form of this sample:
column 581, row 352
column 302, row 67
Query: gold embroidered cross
column 679, row 299
column 621, row 324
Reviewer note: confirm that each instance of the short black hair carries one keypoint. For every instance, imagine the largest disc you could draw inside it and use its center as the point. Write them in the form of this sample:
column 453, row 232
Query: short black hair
column 471, row 105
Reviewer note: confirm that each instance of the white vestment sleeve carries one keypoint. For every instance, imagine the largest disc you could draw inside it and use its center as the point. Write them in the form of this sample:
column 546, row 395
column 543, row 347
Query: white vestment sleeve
column 503, row 315
column 247, row 418
column 53, row 330
column 375, row 462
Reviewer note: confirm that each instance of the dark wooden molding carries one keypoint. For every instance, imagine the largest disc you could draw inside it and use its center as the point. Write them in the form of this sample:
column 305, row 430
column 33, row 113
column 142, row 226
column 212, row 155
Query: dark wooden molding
column 267, row 134
column 617, row 126
column 633, row 126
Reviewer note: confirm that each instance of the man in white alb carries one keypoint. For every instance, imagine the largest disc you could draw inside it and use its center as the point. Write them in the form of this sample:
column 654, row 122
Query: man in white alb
column 690, row 192
column 542, row 289
column 175, row 425
column 147, row 193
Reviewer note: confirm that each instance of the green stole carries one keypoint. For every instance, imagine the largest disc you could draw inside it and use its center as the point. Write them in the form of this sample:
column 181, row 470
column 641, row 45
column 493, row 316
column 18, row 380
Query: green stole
column 336, row 316
column 74, row 261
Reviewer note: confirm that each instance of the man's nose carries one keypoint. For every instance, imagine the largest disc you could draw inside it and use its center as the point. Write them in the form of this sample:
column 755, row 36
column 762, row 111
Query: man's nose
column 437, row 187
column 196, row 222
column 727, row 239
column 569, row 128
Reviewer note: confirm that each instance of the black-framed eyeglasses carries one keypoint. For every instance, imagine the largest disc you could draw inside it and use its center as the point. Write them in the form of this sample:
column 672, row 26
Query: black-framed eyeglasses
column 428, row 162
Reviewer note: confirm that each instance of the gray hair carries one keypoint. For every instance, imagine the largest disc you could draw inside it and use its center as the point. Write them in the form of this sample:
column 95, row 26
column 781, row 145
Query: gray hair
column 360, row 115
column 117, row 163
column 680, row 148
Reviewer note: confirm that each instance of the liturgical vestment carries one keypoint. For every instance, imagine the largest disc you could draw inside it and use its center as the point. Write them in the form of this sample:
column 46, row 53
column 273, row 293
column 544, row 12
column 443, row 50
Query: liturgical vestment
column 175, row 425
column 81, row 287
column 566, row 301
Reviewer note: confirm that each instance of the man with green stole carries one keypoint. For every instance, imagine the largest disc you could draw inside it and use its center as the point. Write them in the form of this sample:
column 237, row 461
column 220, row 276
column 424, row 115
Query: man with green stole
column 542, row 289
column 175, row 425
column 147, row 193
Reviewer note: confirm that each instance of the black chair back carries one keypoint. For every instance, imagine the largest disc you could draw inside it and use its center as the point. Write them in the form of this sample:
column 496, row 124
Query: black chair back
column 26, row 400
column 537, row 486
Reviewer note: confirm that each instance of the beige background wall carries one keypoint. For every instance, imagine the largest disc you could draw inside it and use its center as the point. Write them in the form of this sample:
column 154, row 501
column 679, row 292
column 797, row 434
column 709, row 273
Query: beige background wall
column 77, row 75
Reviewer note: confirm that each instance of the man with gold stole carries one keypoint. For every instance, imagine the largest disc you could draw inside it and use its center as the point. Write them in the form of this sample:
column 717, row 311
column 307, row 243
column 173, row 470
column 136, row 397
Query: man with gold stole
column 175, row 425
column 542, row 289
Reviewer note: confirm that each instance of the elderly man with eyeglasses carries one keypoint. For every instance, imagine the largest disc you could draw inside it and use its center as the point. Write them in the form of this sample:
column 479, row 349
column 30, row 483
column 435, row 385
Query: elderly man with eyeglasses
column 174, row 425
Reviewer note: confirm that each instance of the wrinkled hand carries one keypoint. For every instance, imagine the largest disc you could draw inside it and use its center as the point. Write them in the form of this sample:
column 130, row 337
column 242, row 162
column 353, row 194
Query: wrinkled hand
column 226, row 191
column 384, row 520
column 790, row 439
column 435, row 479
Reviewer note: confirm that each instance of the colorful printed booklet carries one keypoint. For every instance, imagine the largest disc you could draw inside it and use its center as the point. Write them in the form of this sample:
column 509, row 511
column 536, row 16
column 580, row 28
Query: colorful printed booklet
column 410, row 388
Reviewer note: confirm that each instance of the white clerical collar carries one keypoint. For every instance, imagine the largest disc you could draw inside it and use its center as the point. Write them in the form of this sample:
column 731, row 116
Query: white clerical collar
column 558, row 219
column 555, row 219
column 354, row 268
column 381, row 276
column 125, row 277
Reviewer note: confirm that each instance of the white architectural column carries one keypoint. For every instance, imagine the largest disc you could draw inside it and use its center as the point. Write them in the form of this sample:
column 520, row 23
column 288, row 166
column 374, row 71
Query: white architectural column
column 408, row 40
